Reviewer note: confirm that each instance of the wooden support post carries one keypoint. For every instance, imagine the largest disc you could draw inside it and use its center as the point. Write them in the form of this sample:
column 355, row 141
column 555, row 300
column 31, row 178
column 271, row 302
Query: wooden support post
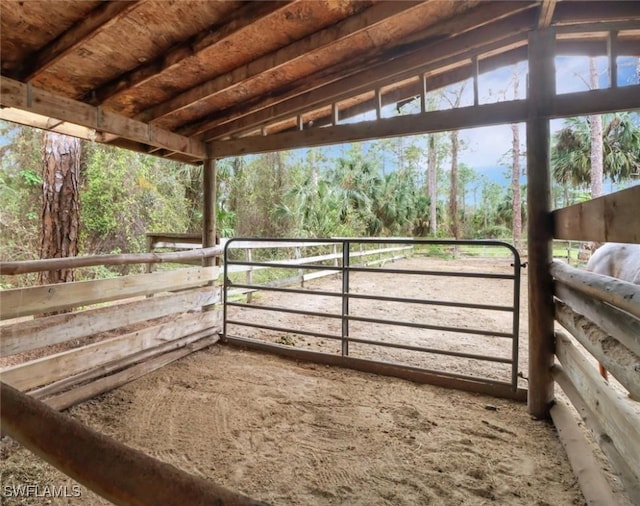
column 209, row 210
column 541, row 308
column 423, row 92
column 150, row 248
column 612, row 54
column 120, row 474
column 378, row 103
column 248, row 256
column 209, row 186
column 474, row 69
column 335, row 114
column 300, row 122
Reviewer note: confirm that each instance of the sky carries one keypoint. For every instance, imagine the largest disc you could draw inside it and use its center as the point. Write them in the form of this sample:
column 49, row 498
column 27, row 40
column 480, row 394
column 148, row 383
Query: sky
column 487, row 144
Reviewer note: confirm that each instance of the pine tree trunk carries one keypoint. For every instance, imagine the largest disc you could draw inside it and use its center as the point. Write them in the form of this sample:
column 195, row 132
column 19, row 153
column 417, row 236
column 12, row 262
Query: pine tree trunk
column 595, row 122
column 432, row 167
column 453, row 195
column 515, row 174
column 60, row 203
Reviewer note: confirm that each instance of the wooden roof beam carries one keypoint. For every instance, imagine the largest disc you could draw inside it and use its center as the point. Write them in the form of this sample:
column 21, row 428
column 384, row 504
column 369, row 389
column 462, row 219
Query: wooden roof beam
column 546, row 13
column 568, row 13
column 413, row 89
column 28, row 98
column 98, row 20
column 570, row 104
column 380, row 72
column 436, row 121
column 286, row 55
column 242, row 18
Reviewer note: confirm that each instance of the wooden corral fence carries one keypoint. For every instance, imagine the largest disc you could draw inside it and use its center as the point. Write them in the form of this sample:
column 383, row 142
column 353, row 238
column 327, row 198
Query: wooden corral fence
column 602, row 318
column 67, row 377
column 366, row 257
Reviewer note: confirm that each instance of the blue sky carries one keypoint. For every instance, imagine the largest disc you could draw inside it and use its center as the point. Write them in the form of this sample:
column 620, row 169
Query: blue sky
column 486, row 145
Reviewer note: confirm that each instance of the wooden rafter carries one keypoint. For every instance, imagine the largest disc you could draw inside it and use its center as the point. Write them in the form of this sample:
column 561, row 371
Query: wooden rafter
column 413, row 88
column 437, row 121
column 98, row 20
column 300, row 49
column 570, row 104
column 567, row 13
column 546, row 13
column 385, row 69
column 28, row 98
column 242, row 18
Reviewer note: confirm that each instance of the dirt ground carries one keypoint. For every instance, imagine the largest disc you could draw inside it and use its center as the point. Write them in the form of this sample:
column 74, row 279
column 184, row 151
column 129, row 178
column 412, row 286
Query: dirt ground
column 298, row 433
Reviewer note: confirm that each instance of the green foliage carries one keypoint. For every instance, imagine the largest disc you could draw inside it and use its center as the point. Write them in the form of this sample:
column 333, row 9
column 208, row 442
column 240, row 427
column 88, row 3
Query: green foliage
column 570, row 153
column 126, row 195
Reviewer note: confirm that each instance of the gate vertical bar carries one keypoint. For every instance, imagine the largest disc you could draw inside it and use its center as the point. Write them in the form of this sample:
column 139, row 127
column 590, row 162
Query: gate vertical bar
column 225, row 289
column 345, row 297
column 516, row 318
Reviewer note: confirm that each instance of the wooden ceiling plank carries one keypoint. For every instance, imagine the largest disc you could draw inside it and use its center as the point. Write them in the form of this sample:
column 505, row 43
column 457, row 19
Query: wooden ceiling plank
column 381, row 73
column 242, row 18
column 338, row 87
column 98, row 20
column 28, row 98
column 287, row 55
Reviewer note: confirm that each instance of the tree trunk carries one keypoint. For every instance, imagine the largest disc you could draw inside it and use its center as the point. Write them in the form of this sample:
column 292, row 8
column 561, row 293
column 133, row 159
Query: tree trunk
column 595, row 123
column 432, row 175
column 453, row 194
column 60, row 203
column 515, row 173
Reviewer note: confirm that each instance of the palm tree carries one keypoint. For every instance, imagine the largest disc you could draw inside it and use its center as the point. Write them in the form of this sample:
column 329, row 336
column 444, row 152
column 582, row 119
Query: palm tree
column 570, row 155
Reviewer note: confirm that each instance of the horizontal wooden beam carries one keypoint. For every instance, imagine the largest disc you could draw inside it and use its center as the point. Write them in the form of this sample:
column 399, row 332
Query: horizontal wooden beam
column 52, row 264
column 618, row 324
column 437, row 121
column 618, row 293
column 614, row 412
column 589, row 102
column 611, row 218
column 602, row 101
column 87, row 390
column 297, row 51
column 40, row 332
column 628, row 476
column 618, row 359
column 25, row 97
column 119, row 473
column 429, row 56
column 18, row 302
column 51, row 368
column 591, row 478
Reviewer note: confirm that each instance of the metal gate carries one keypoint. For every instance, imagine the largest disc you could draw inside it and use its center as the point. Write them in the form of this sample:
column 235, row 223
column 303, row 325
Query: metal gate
column 388, row 333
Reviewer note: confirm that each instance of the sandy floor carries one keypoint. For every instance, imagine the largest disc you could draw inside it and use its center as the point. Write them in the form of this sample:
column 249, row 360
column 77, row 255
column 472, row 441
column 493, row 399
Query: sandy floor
column 296, row 433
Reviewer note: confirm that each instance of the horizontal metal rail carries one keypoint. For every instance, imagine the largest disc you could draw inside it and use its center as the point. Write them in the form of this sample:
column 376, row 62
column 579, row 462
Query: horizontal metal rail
column 283, row 329
column 383, row 344
column 364, row 319
column 429, row 302
column 376, row 364
column 341, row 266
column 381, row 270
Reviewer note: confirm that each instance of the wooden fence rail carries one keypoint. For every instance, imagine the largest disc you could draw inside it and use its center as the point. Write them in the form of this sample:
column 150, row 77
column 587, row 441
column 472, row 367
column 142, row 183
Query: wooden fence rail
column 603, row 315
